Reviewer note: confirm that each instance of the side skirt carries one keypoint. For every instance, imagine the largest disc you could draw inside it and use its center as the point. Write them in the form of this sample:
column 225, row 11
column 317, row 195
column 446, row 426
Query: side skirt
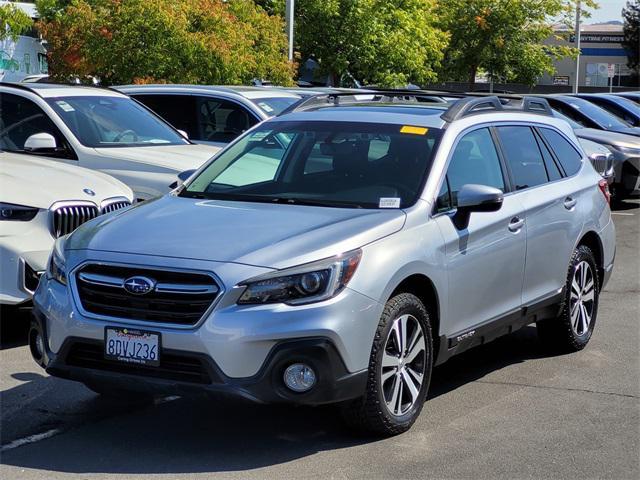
column 504, row 325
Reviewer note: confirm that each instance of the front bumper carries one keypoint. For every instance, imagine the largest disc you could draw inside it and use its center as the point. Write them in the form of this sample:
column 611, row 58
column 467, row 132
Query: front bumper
column 184, row 373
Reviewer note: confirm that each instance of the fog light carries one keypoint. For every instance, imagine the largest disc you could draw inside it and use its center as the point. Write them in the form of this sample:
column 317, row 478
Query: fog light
column 299, row 377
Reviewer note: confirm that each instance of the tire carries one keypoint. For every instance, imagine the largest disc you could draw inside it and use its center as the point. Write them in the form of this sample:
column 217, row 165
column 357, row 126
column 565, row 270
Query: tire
column 568, row 333
column 119, row 394
column 389, row 406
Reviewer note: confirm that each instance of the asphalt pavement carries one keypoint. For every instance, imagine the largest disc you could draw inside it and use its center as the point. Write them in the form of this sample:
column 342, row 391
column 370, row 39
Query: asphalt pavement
column 509, row 409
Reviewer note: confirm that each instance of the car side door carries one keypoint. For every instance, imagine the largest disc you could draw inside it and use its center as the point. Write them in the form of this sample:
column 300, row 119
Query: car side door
column 553, row 223
column 485, row 260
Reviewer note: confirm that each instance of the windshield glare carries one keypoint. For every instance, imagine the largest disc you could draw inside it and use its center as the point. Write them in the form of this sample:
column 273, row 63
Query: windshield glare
column 335, row 164
column 275, row 105
column 601, row 116
column 113, row 122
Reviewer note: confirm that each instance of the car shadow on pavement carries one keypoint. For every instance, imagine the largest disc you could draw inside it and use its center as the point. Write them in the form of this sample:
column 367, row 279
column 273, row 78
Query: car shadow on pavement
column 197, row 435
column 14, row 327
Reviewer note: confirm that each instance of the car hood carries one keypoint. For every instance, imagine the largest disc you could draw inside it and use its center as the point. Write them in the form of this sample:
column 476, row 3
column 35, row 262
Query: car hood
column 608, row 137
column 174, row 157
column 259, row 234
column 36, row 182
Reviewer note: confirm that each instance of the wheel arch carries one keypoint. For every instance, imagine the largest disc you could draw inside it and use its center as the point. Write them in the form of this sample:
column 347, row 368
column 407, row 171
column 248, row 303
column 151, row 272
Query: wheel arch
column 592, row 240
column 423, row 287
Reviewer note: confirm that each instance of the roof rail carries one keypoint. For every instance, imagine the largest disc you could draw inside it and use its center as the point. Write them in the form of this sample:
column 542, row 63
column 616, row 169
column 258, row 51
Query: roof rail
column 348, row 98
column 470, row 106
column 536, row 105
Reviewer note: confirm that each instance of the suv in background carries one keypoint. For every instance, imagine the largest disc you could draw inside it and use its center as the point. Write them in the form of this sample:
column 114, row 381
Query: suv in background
column 336, row 254
column 98, row 129
column 212, row 114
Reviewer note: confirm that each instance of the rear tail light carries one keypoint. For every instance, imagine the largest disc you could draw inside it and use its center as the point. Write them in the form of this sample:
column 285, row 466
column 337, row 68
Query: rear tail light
column 604, row 188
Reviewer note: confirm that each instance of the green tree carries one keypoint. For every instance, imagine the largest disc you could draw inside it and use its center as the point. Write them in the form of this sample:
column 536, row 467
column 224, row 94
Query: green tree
column 13, row 22
column 376, row 41
column 631, row 15
column 503, row 37
column 190, row 41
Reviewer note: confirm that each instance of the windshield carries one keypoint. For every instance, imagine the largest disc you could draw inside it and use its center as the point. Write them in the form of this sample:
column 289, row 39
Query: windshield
column 113, row 122
column 599, row 115
column 274, row 105
column 333, row 164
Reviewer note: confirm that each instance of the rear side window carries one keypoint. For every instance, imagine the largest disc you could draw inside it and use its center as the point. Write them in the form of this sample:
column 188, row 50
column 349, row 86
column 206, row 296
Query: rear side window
column 568, row 156
column 222, row 121
column 553, row 171
column 523, row 156
column 178, row 110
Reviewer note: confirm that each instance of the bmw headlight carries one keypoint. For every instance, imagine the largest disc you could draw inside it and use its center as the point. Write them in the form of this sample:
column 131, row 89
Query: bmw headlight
column 57, row 269
column 19, row 213
column 313, row 282
column 629, row 150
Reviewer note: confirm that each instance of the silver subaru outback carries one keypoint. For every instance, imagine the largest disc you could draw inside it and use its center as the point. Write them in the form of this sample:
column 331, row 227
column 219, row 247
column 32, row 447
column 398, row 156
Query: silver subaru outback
column 336, row 254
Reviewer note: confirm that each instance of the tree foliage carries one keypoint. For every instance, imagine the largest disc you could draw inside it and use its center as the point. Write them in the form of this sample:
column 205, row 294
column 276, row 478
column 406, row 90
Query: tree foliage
column 189, row 41
column 502, row 37
column 13, row 22
column 376, row 41
column 631, row 15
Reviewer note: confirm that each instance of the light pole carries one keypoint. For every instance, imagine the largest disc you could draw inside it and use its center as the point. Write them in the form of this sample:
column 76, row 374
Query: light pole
column 577, row 36
column 289, row 21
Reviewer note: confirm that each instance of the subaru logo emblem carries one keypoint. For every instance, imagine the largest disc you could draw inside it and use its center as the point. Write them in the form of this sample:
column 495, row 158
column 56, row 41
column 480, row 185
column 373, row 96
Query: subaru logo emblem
column 89, row 192
column 139, row 285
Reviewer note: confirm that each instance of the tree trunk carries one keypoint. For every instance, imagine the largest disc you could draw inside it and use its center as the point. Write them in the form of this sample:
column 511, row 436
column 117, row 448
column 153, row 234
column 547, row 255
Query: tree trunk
column 472, row 77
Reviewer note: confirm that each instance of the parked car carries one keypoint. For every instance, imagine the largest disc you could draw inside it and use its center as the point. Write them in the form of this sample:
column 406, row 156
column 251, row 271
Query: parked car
column 621, row 107
column 39, row 202
column 212, row 115
column 625, row 160
column 589, row 115
column 335, row 254
column 99, row 129
column 635, row 96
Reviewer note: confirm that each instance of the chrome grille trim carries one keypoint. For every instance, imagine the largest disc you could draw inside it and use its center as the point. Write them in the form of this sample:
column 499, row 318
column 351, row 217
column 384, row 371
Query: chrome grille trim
column 112, row 204
column 65, row 217
column 118, row 282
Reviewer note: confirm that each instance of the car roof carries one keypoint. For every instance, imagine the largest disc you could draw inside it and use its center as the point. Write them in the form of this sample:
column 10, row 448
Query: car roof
column 244, row 91
column 50, row 90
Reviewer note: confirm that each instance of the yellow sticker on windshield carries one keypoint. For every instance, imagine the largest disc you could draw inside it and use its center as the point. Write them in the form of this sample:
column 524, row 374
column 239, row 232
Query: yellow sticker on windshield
column 414, row 130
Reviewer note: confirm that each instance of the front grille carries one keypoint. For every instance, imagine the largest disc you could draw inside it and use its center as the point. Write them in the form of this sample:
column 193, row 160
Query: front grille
column 66, row 218
column 113, row 206
column 177, row 297
column 173, row 366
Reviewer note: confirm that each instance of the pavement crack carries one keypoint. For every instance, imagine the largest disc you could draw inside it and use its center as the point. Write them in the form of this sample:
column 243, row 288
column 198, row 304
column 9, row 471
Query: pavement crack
column 566, row 389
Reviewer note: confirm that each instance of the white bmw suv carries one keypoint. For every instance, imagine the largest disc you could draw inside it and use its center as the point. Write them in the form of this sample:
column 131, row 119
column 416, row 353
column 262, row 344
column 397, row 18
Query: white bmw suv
column 99, row 129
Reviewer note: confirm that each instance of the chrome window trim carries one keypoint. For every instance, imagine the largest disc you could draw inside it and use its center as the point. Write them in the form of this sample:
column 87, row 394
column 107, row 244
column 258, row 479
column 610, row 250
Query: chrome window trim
column 142, row 323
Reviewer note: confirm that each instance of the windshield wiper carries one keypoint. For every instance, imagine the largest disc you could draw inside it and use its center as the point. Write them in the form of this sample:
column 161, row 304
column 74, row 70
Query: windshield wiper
column 269, row 199
column 319, row 203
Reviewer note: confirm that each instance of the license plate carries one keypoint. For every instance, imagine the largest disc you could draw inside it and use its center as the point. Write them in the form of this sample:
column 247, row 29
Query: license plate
column 134, row 346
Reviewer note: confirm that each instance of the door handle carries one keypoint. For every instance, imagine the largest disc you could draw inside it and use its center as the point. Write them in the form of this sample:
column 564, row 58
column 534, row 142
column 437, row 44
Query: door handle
column 516, row 224
column 570, row 202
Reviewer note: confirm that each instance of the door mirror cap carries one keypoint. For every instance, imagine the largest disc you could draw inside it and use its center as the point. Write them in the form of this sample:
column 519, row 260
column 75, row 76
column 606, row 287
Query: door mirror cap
column 182, row 177
column 40, row 143
column 476, row 198
column 183, row 133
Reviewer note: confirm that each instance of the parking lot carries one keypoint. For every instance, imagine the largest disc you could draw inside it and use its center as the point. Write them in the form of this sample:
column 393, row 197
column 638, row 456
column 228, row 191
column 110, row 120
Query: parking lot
column 505, row 410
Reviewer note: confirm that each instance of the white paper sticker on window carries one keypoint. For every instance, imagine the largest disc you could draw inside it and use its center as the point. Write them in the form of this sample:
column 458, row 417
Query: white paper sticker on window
column 265, row 106
column 65, row 106
column 390, row 202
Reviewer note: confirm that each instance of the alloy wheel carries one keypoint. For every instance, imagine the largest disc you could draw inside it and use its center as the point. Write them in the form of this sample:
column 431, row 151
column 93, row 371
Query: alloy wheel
column 403, row 365
column 582, row 299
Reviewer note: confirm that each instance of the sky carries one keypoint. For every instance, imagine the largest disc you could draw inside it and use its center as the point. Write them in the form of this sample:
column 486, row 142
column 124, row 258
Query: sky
column 609, row 10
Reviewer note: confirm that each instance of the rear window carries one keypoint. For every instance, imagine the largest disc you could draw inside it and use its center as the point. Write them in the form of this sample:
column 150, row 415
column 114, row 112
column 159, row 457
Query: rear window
column 568, row 156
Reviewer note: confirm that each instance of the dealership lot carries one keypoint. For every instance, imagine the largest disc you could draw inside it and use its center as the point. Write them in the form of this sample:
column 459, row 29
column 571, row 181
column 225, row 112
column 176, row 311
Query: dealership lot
column 505, row 410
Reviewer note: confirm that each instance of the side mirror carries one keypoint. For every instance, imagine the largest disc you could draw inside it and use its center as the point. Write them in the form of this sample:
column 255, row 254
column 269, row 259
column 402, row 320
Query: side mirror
column 603, row 164
column 183, row 133
column 40, row 143
column 476, row 198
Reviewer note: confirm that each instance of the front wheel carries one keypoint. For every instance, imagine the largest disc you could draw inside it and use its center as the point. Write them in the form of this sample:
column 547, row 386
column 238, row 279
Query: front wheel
column 572, row 330
column 399, row 370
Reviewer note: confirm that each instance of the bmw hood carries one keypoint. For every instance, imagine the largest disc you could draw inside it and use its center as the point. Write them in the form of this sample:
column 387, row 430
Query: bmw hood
column 258, row 234
column 173, row 157
column 37, row 182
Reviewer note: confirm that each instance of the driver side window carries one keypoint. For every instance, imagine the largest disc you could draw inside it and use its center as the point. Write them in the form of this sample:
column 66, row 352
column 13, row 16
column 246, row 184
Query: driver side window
column 221, row 120
column 20, row 118
column 474, row 160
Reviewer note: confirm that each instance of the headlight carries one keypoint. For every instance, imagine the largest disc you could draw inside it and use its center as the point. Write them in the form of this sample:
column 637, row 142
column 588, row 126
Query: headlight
column 20, row 213
column 308, row 283
column 629, row 150
column 57, row 268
